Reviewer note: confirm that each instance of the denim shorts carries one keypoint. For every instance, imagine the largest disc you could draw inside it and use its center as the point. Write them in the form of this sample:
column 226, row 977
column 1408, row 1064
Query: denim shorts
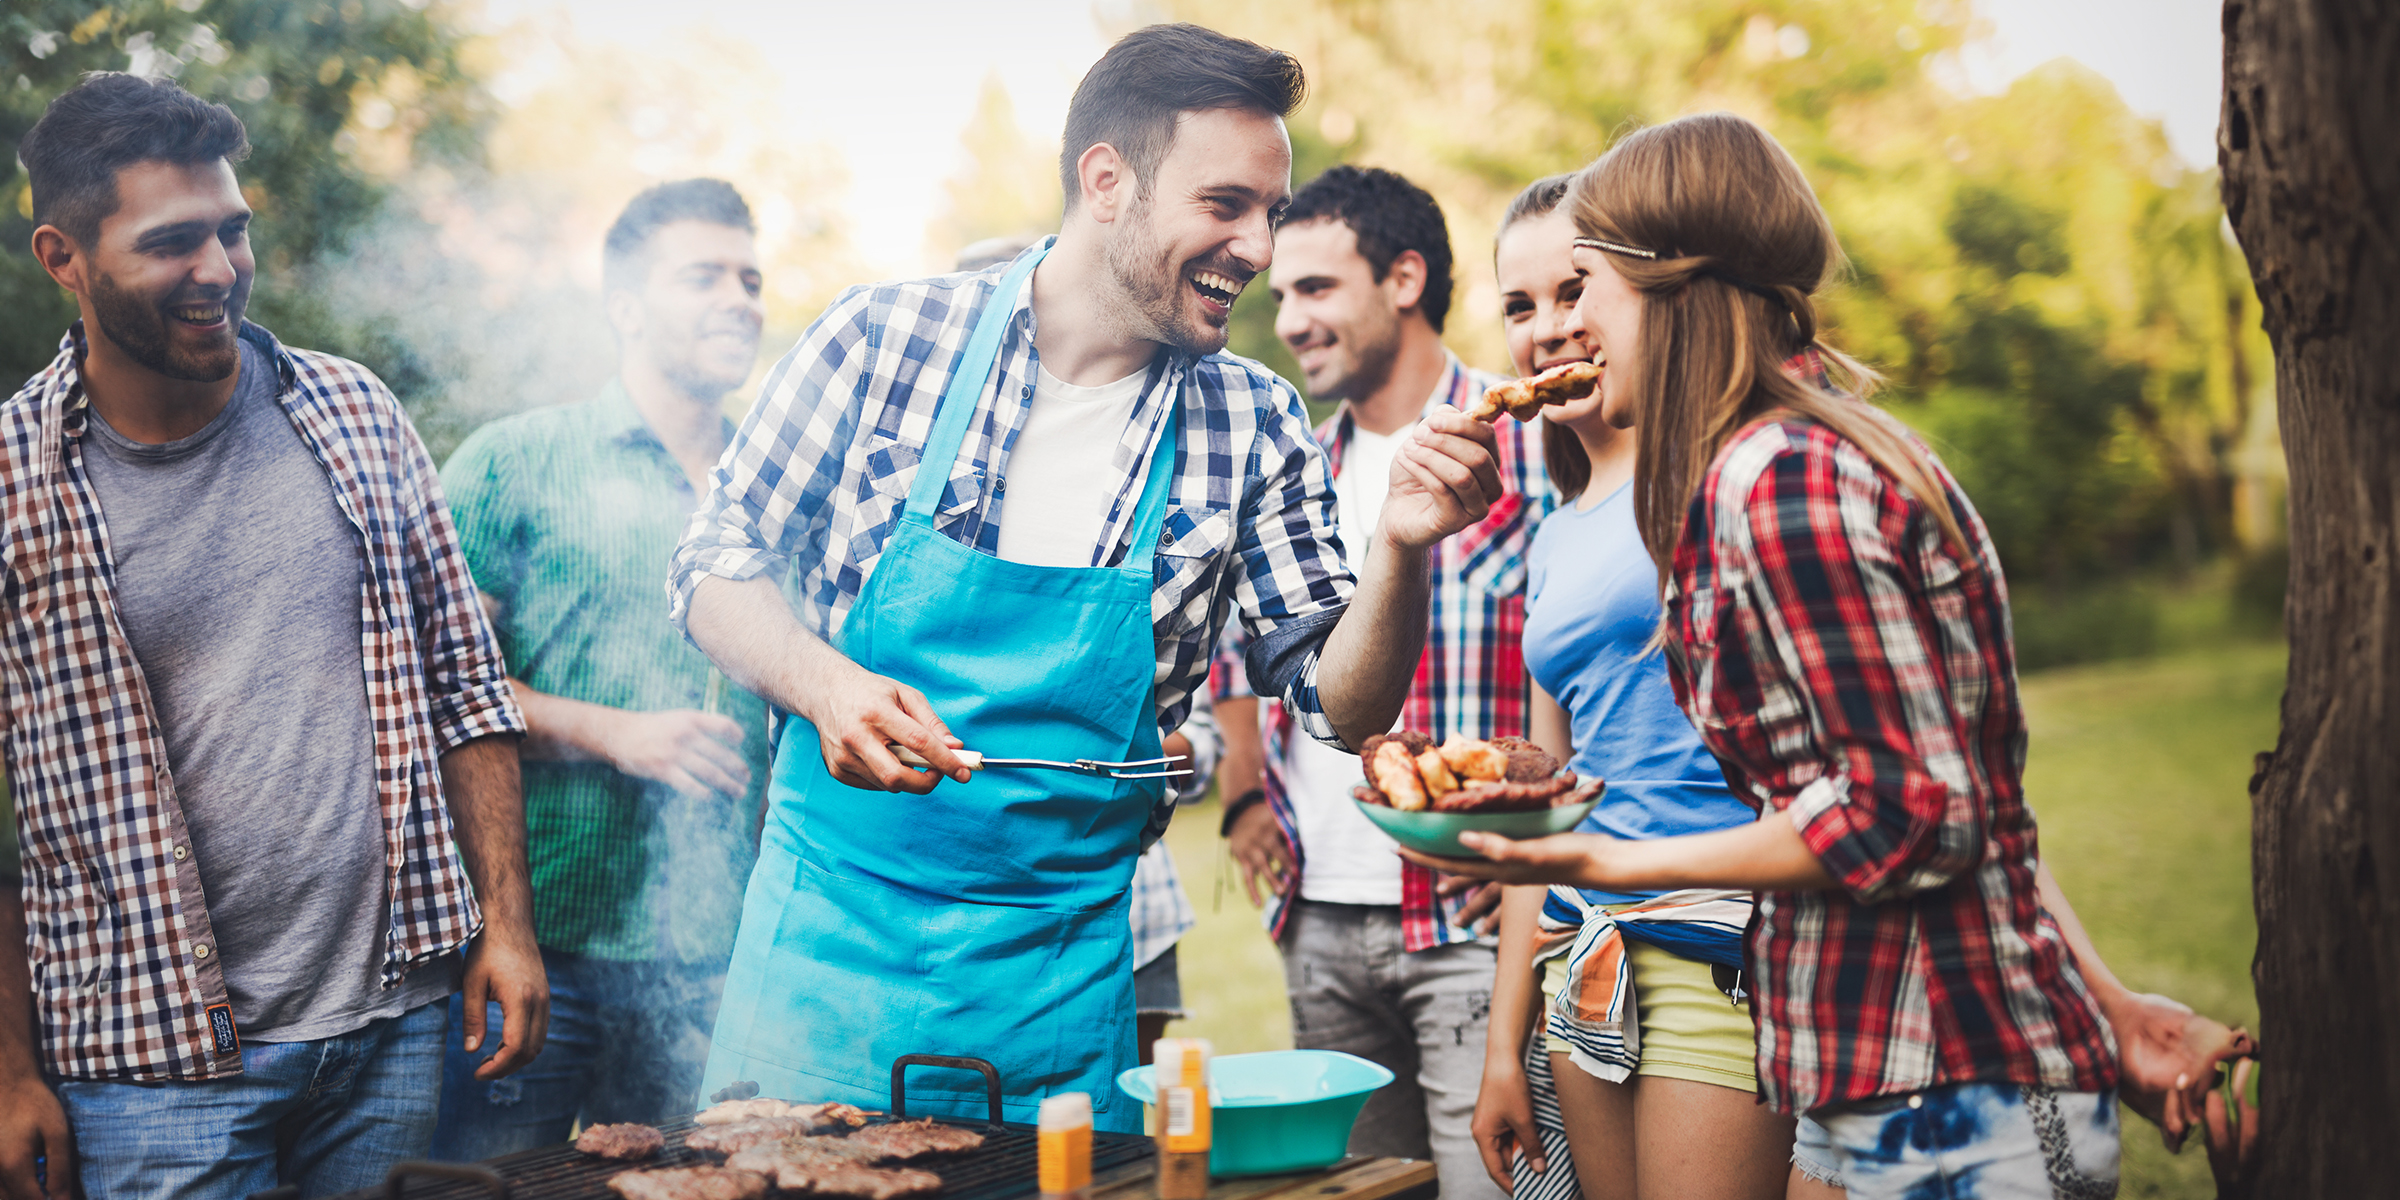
column 1966, row 1141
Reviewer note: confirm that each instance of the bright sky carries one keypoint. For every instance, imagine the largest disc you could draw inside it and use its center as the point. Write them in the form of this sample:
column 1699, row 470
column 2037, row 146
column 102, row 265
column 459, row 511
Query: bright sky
column 891, row 82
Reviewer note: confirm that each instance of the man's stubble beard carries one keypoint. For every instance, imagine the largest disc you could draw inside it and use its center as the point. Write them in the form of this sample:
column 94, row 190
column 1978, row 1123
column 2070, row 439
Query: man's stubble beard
column 1152, row 285
column 139, row 328
column 1371, row 367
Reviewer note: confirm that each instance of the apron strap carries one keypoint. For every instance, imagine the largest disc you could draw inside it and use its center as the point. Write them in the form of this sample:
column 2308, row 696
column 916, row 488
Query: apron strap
column 1151, row 517
column 959, row 402
column 966, row 388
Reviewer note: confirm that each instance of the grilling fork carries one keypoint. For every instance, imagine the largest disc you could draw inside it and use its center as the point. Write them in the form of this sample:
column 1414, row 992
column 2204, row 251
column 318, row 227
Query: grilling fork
column 976, row 761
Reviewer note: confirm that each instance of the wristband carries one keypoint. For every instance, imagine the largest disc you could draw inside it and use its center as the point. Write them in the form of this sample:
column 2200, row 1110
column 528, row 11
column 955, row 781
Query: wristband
column 1237, row 806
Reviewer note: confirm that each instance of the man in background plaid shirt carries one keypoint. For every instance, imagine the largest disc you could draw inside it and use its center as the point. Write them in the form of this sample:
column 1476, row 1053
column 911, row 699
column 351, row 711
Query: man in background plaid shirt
column 262, row 746
column 1376, row 962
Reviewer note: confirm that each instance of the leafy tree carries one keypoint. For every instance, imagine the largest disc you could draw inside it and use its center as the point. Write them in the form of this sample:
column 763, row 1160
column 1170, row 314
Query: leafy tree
column 1010, row 185
column 341, row 100
column 2050, row 291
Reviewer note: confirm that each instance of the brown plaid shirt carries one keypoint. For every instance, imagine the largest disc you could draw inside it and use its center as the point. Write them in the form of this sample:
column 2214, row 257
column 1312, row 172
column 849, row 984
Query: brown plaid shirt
column 125, row 978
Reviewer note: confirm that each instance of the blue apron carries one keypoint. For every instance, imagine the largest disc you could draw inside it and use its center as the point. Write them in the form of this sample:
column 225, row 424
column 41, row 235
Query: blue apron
column 985, row 919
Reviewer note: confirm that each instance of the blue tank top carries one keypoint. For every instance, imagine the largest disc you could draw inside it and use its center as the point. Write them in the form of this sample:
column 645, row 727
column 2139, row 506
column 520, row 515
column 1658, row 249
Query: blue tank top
column 1591, row 606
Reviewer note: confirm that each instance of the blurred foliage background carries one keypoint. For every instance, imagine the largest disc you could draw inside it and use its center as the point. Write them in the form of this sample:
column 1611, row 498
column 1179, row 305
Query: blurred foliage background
column 2050, row 289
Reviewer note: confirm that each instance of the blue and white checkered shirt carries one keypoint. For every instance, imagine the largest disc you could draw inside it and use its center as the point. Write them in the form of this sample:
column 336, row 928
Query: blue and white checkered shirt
column 815, row 479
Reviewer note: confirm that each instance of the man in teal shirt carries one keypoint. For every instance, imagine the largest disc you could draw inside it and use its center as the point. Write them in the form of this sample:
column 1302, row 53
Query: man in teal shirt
column 644, row 768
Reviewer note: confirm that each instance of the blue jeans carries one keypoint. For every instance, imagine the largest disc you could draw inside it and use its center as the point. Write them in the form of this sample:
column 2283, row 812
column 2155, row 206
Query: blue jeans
column 627, row 1042
column 330, row 1115
column 1966, row 1141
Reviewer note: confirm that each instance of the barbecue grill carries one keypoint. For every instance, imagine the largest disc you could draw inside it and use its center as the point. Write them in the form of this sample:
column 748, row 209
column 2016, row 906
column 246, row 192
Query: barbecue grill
column 1005, row 1167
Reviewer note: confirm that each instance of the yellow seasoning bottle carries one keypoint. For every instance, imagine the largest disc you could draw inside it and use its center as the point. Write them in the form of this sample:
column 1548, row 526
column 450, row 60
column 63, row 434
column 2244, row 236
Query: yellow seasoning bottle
column 1183, row 1118
column 1065, row 1137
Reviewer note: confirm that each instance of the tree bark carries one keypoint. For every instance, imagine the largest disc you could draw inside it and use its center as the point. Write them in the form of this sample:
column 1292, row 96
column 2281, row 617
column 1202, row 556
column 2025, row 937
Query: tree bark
column 2309, row 154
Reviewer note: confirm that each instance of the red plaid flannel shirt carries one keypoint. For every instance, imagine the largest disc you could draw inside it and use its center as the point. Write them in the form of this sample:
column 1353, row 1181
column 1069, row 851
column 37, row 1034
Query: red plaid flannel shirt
column 1849, row 669
column 1472, row 679
column 118, row 936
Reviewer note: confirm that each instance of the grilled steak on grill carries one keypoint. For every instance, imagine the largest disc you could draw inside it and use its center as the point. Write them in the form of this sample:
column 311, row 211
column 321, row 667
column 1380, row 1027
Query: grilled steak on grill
column 764, row 1157
column 743, row 1110
column 627, row 1142
column 689, row 1183
column 914, row 1139
column 758, row 1131
column 833, row 1114
column 829, row 1167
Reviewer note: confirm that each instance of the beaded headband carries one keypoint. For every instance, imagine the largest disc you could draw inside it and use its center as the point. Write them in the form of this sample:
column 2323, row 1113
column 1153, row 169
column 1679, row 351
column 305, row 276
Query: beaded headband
column 1593, row 243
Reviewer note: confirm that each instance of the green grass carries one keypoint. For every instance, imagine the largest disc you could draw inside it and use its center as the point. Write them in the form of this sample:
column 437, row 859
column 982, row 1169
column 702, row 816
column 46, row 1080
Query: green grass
column 2138, row 772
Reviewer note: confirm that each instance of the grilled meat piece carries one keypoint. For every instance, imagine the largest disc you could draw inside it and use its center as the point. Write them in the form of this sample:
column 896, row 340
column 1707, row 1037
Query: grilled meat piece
column 808, row 1165
column 743, row 1110
column 741, row 1135
column 1503, row 795
column 1525, row 398
column 764, row 1156
column 1394, row 774
column 689, row 1183
column 1436, row 774
column 628, row 1142
column 1474, row 758
column 915, row 1139
column 1415, row 742
column 834, row 1114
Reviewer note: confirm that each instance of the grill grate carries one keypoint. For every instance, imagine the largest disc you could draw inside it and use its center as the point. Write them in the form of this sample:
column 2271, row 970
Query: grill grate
column 1005, row 1167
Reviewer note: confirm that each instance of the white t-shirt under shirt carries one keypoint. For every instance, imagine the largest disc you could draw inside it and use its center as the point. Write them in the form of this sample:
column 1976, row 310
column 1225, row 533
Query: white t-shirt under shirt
column 1345, row 859
column 1055, row 501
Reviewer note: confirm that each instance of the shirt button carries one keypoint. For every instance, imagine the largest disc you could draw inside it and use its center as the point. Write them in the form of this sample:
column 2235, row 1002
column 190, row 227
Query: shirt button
column 1000, row 486
column 1916, row 1101
column 200, row 951
column 1029, row 391
column 1166, row 539
column 182, row 853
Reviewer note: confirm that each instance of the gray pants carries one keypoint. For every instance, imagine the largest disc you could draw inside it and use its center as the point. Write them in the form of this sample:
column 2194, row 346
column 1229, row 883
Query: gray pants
column 1421, row 1015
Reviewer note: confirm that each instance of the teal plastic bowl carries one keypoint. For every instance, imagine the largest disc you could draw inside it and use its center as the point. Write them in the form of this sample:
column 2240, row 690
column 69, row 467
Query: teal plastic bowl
column 1283, row 1110
column 1437, row 832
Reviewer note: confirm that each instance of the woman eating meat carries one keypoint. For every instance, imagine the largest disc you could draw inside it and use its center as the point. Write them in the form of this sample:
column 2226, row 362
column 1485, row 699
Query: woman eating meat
column 1673, row 1108
column 1836, row 624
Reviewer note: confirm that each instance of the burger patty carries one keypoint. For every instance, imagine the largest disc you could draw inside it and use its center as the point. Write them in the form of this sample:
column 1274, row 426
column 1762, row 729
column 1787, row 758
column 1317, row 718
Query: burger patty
column 809, row 1165
column 627, row 1142
column 915, row 1139
column 690, row 1183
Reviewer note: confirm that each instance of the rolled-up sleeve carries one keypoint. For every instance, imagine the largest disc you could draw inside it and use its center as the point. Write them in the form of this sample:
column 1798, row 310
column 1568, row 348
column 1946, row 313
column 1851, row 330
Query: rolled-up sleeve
column 466, row 681
column 1858, row 714
column 767, row 507
column 1293, row 585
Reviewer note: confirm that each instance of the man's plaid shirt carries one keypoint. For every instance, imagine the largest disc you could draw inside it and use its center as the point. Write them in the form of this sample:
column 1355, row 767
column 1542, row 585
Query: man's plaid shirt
column 815, row 480
column 122, row 953
column 1471, row 681
column 1848, row 668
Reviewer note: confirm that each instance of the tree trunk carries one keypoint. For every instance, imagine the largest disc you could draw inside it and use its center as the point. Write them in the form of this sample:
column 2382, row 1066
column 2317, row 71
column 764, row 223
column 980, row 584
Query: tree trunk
column 2311, row 177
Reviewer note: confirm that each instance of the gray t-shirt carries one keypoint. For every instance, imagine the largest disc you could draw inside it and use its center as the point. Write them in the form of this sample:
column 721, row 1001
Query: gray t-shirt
column 238, row 582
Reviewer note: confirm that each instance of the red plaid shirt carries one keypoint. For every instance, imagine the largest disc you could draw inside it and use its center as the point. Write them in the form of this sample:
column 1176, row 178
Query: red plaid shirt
column 124, row 971
column 1849, row 669
column 1471, row 681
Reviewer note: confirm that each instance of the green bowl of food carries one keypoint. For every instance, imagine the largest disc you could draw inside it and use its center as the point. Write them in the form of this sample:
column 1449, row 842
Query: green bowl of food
column 1437, row 832
column 1424, row 795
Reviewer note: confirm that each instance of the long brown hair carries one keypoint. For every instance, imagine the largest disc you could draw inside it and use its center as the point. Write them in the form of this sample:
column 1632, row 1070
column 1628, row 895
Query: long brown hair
column 1563, row 459
column 1742, row 245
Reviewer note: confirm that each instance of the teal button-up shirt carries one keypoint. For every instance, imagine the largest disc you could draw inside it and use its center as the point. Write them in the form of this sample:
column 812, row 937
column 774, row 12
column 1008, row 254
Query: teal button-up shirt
column 568, row 516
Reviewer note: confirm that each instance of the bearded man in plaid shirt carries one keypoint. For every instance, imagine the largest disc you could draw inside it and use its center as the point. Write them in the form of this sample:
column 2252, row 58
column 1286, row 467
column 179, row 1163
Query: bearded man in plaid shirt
column 251, row 702
column 1377, row 963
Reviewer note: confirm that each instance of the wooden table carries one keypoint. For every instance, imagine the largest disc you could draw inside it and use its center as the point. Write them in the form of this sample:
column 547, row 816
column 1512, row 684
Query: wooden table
column 1349, row 1179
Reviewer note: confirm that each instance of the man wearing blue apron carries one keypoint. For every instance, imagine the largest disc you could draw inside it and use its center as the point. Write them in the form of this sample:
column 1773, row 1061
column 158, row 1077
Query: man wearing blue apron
column 1015, row 508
